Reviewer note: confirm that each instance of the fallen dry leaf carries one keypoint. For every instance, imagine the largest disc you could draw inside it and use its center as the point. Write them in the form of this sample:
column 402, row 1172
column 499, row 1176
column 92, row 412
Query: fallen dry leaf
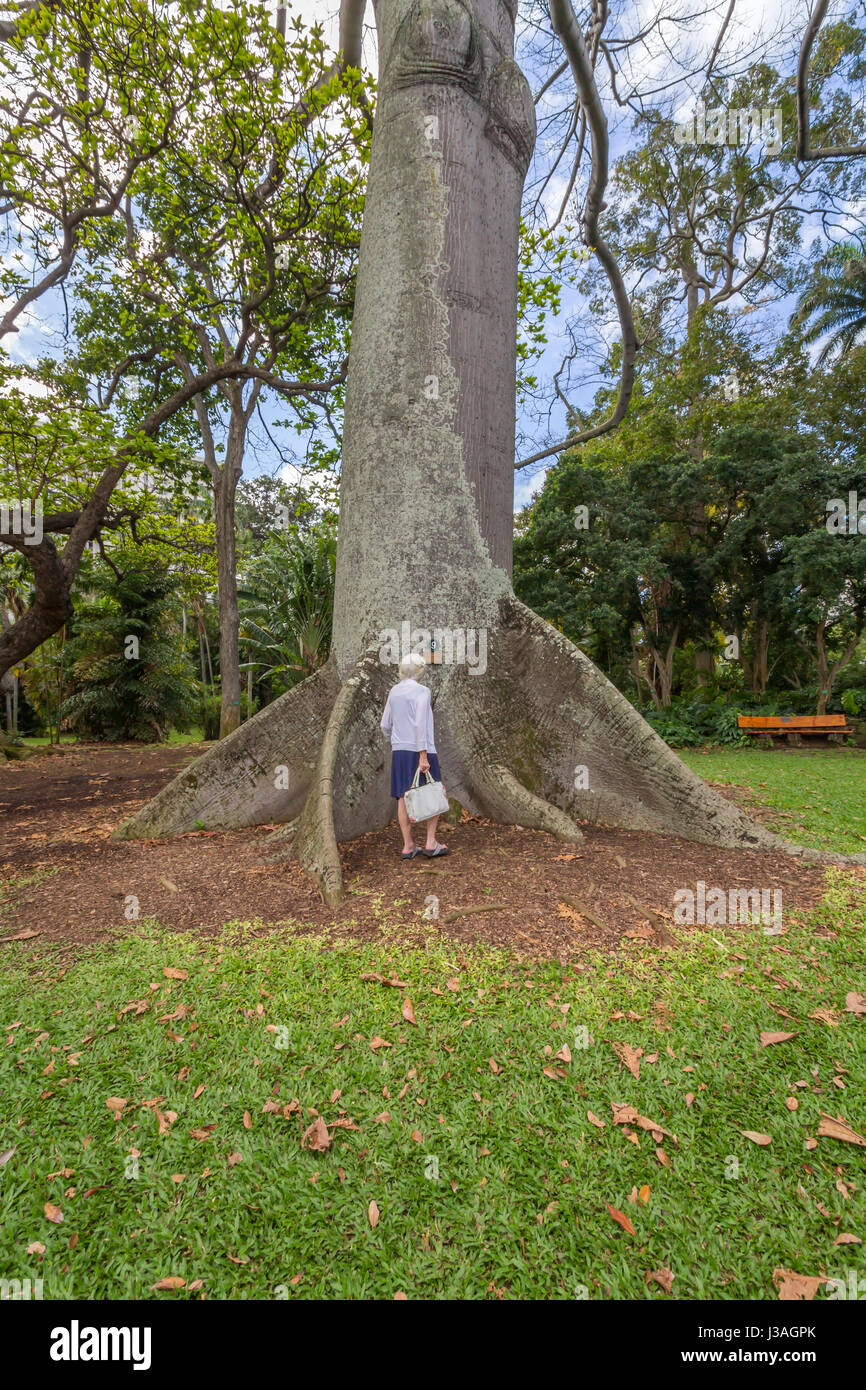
column 662, row 1277
column 316, row 1137
column 376, row 978
column 847, row 1239
column 767, row 1039
column 825, row 1016
column 494, row 1066
column 630, row 1057
column 627, row 1115
column 408, row 1012
column 53, row 1213
column 762, row 1139
column 621, row 1219
column 171, row 1281
column 795, row 1287
column 37, row 1248
column 235, row 1158
column 839, row 1129
column 373, row 1215
column 377, row 1042
column 171, row 972
column 594, row 1120
column 855, row 1003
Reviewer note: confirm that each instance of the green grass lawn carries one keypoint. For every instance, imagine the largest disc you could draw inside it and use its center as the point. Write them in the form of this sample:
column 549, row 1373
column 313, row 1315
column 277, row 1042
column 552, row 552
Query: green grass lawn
column 820, row 795
column 489, row 1180
column 488, row 1177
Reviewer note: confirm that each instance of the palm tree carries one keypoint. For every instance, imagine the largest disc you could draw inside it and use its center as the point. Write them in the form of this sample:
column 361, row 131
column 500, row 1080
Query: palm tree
column 288, row 603
column 835, row 301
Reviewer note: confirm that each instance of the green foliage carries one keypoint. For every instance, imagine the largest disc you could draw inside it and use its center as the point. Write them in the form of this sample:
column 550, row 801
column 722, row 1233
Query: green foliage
column 833, row 305
column 287, row 605
column 704, row 517
column 691, row 723
column 130, row 677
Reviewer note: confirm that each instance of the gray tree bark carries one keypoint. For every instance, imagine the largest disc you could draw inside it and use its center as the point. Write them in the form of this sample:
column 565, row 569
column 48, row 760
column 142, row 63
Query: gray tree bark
column 540, row 737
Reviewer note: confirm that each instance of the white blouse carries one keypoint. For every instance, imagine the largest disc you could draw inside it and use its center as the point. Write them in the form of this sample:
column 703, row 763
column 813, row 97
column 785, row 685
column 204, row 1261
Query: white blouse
column 408, row 717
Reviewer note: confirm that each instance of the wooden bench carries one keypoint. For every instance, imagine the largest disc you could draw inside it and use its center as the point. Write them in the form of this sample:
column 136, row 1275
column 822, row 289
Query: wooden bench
column 768, row 727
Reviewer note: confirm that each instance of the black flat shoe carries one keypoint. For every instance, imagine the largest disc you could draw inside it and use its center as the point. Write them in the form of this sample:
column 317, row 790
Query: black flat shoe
column 436, row 853
column 412, row 854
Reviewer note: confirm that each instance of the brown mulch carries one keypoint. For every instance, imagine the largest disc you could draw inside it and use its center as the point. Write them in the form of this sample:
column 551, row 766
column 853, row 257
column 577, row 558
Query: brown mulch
column 57, row 812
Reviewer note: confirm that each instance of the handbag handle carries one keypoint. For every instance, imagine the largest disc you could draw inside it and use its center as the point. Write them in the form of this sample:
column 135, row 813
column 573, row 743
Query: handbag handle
column 416, row 779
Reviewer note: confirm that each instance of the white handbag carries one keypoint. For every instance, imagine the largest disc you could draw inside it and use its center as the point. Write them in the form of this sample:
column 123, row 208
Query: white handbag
column 425, row 799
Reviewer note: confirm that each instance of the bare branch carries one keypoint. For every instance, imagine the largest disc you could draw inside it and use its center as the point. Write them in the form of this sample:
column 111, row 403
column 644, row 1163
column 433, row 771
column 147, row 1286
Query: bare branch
column 568, row 30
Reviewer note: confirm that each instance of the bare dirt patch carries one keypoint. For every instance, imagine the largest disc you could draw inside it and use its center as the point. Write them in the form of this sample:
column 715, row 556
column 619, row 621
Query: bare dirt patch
column 57, row 812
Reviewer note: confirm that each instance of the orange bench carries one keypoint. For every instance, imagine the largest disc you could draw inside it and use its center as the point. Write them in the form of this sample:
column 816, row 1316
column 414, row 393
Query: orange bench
column 768, row 727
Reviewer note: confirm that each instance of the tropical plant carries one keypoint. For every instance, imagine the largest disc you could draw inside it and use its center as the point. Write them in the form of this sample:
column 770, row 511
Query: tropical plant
column 130, row 676
column 834, row 303
column 288, row 602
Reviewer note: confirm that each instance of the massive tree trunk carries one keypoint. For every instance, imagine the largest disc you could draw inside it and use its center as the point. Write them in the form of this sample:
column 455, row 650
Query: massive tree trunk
column 528, row 730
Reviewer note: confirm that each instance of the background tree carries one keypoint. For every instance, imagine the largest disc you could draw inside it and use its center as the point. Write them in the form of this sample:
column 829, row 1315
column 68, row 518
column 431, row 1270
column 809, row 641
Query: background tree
column 125, row 658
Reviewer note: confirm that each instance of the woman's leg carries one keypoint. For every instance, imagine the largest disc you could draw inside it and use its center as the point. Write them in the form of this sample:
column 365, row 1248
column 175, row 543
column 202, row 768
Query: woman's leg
column 431, row 832
column 405, row 825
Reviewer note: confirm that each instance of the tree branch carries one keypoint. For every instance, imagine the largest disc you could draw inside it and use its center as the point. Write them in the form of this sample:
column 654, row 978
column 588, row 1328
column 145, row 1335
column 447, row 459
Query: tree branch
column 804, row 151
column 568, row 30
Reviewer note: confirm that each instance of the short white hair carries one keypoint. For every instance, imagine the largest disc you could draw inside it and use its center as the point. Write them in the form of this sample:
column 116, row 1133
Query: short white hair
column 411, row 666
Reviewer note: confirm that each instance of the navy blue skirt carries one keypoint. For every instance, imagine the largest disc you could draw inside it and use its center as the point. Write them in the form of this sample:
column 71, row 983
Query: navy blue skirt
column 403, row 768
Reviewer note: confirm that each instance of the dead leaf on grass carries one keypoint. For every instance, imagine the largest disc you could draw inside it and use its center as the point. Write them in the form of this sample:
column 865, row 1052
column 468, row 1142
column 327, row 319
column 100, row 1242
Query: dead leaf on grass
column 316, row 1137
column 839, row 1129
column 795, row 1287
column 621, row 1219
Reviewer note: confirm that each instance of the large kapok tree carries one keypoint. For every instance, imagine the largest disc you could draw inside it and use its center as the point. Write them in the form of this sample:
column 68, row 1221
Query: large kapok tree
column 426, row 515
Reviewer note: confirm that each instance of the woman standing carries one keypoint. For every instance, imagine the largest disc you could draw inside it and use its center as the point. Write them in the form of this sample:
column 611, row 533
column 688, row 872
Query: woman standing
column 408, row 722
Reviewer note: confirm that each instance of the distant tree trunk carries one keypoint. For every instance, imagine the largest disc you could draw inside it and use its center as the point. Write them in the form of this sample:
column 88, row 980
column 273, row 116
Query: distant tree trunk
column 225, row 477
column 827, row 672
column 705, row 665
column 229, row 616
column 426, row 515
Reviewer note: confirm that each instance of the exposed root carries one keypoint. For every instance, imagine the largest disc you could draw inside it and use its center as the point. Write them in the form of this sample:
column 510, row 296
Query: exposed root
column 505, row 799
column 261, row 772
column 343, row 794
column 540, row 738
column 577, row 741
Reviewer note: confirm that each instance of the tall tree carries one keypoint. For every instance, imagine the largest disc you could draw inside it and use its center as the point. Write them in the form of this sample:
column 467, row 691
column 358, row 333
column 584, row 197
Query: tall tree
column 426, row 496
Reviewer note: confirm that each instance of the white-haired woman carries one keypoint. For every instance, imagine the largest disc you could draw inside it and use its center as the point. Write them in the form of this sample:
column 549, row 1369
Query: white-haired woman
column 408, row 723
